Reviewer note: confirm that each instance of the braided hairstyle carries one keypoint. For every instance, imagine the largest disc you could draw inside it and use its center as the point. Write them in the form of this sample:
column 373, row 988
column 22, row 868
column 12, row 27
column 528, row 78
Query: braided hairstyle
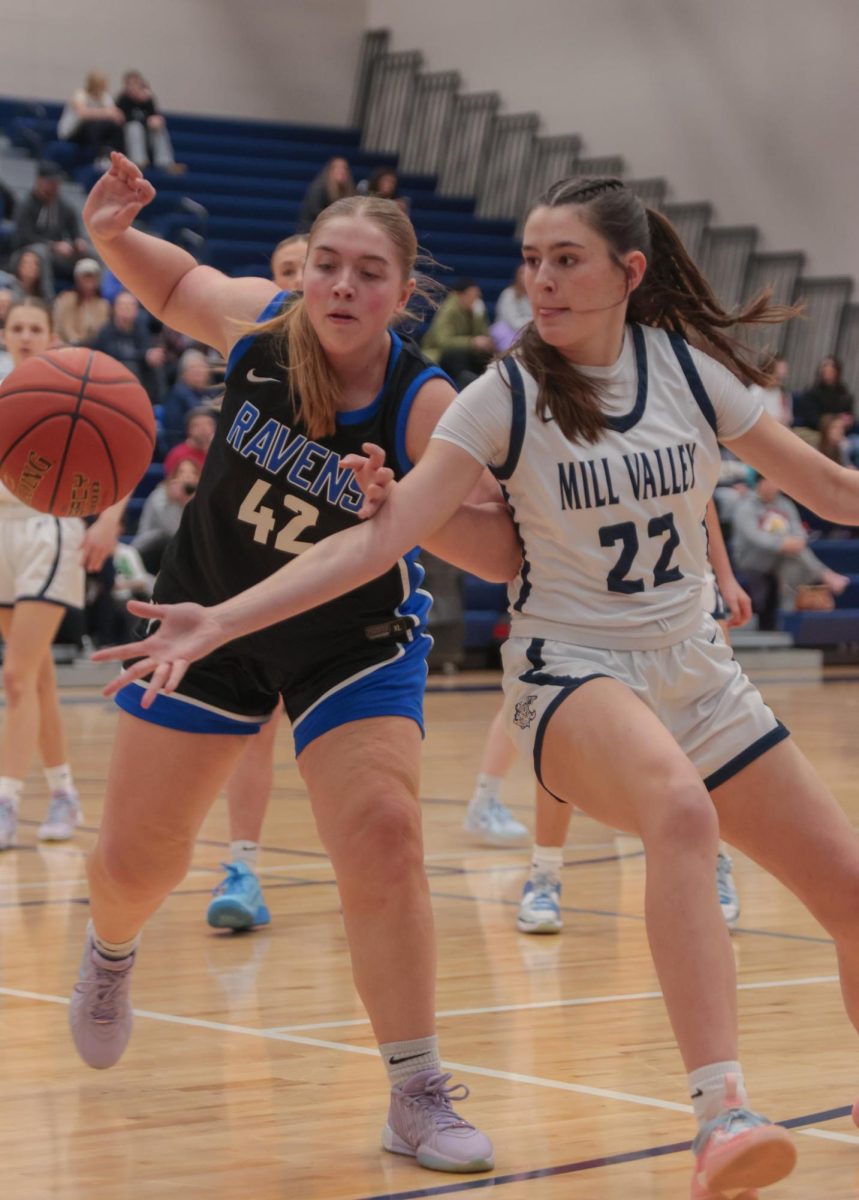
column 673, row 295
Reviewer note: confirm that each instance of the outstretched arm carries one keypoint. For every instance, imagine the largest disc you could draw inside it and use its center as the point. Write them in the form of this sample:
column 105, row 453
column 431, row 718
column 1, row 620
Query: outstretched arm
column 168, row 281
column 800, row 471
column 419, row 505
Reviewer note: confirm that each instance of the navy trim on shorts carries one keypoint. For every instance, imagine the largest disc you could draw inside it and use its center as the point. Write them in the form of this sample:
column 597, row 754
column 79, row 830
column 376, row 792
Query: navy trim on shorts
column 622, row 424
column 747, row 756
column 517, row 421
column 244, row 343
column 179, row 713
column 681, row 349
column 44, row 600
column 59, row 531
column 537, row 673
column 544, row 721
column 404, row 411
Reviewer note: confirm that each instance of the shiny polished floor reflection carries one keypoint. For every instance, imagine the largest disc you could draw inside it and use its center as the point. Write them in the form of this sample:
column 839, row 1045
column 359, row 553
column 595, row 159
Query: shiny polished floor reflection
column 253, row 1072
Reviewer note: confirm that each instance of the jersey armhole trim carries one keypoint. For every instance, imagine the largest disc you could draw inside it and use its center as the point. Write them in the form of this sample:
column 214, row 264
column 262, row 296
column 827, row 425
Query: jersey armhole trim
column 243, row 344
column 517, row 421
column 404, row 463
column 696, row 386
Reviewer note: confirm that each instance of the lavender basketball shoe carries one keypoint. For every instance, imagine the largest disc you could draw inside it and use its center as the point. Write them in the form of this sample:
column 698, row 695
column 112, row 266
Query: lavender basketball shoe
column 422, row 1123
column 100, row 1015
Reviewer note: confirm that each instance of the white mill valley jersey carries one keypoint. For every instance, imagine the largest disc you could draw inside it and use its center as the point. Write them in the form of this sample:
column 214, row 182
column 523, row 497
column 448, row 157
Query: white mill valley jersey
column 613, row 534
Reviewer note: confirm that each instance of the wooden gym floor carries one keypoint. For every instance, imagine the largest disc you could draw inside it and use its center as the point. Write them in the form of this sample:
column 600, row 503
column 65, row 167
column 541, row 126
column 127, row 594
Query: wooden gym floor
column 253, row 1073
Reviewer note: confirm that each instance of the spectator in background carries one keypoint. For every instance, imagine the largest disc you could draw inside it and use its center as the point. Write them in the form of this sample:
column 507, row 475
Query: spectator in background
column 512, row 312
column 769, row 548
column 834, row 442
column 191, row 392
column 30, row 277
column 92, row 120
column 126, row 337
column 826, row 395
column 332, row 183
column 287, row 262
column 384, row 183
column 48, row 224
column 81, row 313
column 162, row 511
column 200, row 425
column 776, row 399
column 147, row 139
column 458, row 337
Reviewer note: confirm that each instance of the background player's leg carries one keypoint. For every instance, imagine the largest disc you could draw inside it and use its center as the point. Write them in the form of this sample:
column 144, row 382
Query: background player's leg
column 64, row 813
column 779, row 811
column 238, row 901
column 487, row 818
column 540, row 907
column 28, row 630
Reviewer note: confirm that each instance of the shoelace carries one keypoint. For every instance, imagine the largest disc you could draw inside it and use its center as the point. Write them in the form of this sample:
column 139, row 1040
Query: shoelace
column 438, row 1097
column 723, row 879
column 107, row 986
column 498, row 811
column 61, row 808
column 543, row 895
column 234, row 874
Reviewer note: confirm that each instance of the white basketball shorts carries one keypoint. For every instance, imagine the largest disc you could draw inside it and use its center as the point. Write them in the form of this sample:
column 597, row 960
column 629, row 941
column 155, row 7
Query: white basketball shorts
column 40, row 559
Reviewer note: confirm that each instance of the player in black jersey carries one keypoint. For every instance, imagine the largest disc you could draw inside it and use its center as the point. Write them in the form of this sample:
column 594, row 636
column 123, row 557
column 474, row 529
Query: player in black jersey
column 310, row 381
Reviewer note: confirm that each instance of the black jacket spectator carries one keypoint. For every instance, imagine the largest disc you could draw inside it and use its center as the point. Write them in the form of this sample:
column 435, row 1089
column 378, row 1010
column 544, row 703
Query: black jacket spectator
column 332, row 183
column 127, row 338
column 44, row 216
column 825, row 397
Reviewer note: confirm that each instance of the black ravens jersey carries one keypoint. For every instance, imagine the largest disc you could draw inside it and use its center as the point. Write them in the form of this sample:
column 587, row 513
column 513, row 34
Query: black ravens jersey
column 268, row 492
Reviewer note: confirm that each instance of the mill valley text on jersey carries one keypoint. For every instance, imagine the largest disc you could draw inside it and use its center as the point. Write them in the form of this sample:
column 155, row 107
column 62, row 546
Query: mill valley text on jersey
column 596, row 482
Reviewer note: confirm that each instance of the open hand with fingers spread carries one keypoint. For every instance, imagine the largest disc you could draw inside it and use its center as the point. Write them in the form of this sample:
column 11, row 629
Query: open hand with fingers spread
column 116, row 199
column 372, row 476
column 186, row 632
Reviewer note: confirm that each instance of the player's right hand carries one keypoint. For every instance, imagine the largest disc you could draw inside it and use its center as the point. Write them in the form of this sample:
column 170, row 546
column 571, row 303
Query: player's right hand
column 186, row 632
column 116, row 199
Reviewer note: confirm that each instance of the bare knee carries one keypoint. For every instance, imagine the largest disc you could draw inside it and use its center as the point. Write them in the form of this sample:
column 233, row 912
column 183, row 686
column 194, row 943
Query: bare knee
column 682, row 818
column 138, row 869
column 18, row 684
column 379, row 841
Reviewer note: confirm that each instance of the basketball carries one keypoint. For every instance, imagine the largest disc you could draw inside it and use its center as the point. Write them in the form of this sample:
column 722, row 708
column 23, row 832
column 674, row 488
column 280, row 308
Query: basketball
column 77, row 432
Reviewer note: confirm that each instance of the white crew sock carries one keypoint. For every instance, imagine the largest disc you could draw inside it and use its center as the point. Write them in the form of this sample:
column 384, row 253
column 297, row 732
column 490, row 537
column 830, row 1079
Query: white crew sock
column 707, row 1089
column 59, row 778
column 404, row 1059
column 245, row 852
column 547, row 860
column 10, row 789
column 115, row 950
column 487, row 789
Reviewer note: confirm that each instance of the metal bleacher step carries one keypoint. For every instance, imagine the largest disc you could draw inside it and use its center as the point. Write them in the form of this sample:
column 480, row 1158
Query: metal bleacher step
column 770, row 657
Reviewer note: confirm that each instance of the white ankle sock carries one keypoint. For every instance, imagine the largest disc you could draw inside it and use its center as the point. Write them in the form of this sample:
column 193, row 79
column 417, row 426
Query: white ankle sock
column 707, row 1089
column 59, row 778
column 404, row 1059
column 547, row 860
column 115, row 950
column 10, row 789
column 488, row 787
column 245, row 852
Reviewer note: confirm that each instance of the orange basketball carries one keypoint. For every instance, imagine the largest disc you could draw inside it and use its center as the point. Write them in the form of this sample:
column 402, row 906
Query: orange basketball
column 77, row 432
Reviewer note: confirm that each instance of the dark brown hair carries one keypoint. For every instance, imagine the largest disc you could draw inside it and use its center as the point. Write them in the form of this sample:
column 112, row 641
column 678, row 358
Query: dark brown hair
column 673, row 295
column 32, row 302
column 314, row 388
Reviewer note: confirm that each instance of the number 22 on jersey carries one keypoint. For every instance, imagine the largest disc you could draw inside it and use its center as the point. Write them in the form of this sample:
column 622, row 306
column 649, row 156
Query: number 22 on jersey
column 263, row 519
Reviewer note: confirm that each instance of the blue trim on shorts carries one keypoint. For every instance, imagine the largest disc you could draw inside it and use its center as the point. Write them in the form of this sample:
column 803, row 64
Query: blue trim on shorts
column 59, row 532
column 244, row 343
column 747, row 756
column 681, row 349
column 548, row 713
column 176, row 712
column 393, row 689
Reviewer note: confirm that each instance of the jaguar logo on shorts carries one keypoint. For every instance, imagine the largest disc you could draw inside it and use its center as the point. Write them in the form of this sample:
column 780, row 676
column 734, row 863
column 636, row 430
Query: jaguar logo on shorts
column 524, row 713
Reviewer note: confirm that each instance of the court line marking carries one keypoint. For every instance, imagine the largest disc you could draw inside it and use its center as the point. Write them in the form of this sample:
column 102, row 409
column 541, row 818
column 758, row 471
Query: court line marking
column 576, row 1002
column 372, row 1052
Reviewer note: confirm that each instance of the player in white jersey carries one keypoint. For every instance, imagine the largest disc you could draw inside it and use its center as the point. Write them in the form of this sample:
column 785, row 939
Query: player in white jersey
column 603, row 426
column 41, row 575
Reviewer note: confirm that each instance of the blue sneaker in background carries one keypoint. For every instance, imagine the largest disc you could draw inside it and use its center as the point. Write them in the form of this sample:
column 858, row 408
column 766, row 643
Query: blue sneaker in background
column 238, row 901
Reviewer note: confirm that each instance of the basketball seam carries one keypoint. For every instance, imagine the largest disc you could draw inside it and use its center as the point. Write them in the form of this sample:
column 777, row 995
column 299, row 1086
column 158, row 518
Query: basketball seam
column 40, row 391
column 130, row 378
column 74, row 418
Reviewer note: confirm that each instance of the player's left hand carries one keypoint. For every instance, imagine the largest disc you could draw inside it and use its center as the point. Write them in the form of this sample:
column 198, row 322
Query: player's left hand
column 186, row 632
column 737, row 602
column 99, row 543
column 372, row 476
